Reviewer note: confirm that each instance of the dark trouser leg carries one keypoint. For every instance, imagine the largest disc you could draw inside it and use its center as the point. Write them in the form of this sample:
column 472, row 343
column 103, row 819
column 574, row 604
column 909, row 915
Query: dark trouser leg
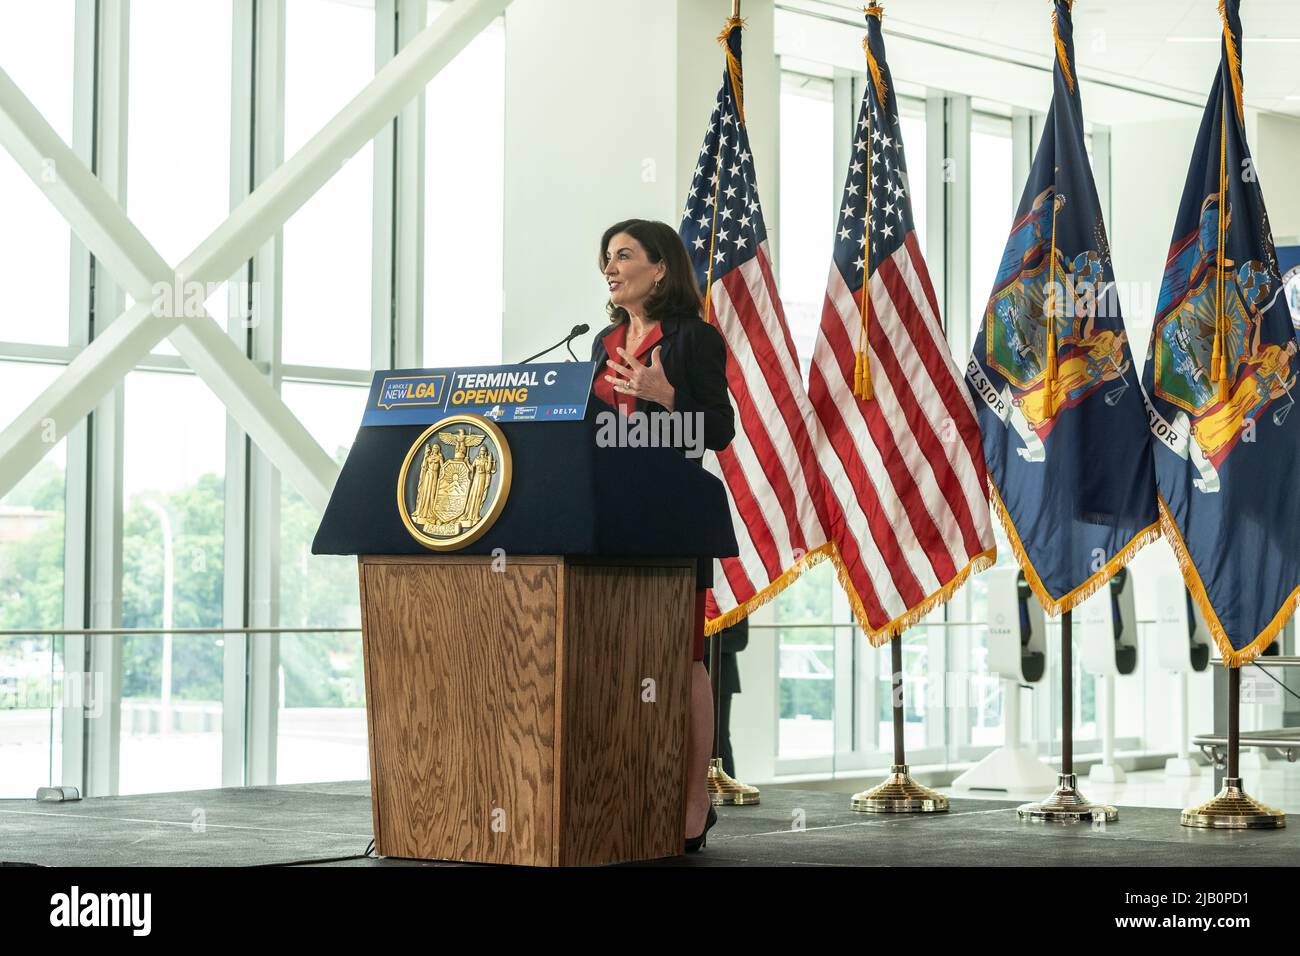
column 728, row 761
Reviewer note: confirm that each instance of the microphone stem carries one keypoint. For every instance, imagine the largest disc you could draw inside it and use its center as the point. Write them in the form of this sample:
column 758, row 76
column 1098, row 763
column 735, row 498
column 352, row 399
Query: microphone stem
column 573, row 334
column 544, row 352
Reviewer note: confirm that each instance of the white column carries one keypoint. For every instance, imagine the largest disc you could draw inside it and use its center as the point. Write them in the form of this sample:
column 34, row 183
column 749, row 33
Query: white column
column 937, row 171
column 606, row 107
column 77, row 474
column 262, row 548
column 956, row 303
column 1153, row 157
column 1108, row 771
column 754, row 714
column 104, row 473
column 1276, row 144
column 397, row 285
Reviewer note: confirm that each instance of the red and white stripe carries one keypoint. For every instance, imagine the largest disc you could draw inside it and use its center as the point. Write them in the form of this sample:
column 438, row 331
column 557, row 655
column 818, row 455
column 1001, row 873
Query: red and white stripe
column 775, row 486
column 906, row 466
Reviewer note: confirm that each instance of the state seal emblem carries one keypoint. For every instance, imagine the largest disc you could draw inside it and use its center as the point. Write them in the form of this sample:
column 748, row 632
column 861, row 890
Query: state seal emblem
column 448, row 497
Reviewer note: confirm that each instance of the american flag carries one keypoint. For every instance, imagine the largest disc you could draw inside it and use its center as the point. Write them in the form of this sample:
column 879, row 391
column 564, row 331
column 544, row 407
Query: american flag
column 779, row 507
column 906, row 464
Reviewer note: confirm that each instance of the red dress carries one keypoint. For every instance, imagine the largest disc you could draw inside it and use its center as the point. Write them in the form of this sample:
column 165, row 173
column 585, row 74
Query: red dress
column 614, row 341
column 625, row 403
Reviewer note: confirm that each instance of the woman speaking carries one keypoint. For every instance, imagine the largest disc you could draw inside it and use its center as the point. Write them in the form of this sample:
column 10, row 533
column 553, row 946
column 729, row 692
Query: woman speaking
column 659, row 355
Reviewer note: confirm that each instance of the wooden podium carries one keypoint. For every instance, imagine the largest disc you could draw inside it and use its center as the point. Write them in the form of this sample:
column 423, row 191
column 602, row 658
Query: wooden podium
column 530, row 710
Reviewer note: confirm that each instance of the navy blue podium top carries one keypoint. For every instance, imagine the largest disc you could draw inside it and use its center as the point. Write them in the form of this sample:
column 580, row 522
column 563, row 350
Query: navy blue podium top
column 568, row 496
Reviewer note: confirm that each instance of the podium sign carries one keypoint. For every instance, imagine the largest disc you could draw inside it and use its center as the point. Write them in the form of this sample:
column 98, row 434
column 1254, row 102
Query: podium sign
column 552, row 392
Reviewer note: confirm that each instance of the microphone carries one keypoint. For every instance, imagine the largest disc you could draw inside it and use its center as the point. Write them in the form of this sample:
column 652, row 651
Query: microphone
column 573, row 334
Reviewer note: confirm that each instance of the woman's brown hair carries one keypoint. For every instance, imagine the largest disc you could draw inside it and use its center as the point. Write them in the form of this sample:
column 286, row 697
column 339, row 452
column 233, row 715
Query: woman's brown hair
column 676, row 293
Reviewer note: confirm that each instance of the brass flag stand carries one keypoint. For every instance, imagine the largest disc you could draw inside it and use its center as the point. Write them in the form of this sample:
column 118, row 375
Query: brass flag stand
column 723, row 788
column 1232, row 808
column 1067, row 804
column 899, row 793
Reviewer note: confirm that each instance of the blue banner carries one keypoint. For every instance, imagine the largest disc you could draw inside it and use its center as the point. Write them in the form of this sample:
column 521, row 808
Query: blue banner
column 1221, row 381
column 552, row 392
column 1064, row 430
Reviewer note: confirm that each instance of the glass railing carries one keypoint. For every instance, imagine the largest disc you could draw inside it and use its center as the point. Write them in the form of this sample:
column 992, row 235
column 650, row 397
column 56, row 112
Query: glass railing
column 834, row 698
column 170, row 706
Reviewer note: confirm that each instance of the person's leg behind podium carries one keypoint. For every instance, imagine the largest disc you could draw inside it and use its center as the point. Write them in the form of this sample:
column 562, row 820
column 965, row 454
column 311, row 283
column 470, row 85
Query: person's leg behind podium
column 701, row 750
column 700, row 735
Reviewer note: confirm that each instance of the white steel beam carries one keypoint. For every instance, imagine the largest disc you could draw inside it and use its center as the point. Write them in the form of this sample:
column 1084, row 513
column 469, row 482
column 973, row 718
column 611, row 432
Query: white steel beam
column 298, row 179
column 103, row 225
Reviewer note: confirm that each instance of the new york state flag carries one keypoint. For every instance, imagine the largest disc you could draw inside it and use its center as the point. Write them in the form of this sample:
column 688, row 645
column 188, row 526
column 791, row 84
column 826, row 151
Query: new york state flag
column 1064, row 429
column 1220, row 379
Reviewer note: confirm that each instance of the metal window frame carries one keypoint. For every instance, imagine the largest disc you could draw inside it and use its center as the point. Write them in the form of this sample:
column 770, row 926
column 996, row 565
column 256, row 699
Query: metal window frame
column 397, row 339
column 103, row 474
column 93, row 486
column 78, row 477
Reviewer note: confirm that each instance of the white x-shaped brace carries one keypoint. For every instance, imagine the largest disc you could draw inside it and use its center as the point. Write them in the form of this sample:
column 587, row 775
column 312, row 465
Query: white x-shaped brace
column 102, row 224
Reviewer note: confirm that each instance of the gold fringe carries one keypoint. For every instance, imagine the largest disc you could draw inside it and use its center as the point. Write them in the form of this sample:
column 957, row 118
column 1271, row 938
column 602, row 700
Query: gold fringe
column 877, row 75
column 733, row 65
column 1231, row 657
column 1054, row 606
column 878, row 637
column 1234, row 60
column 1061, row 56
column 883, row 635
column 787, row 578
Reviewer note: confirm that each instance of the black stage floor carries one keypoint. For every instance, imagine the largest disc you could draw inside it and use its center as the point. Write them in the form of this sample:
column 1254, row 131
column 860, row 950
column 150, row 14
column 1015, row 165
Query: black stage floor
column 286, row 824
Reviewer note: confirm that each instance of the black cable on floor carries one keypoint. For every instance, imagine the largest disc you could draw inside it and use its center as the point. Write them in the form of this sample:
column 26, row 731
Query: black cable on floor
column 368, row 855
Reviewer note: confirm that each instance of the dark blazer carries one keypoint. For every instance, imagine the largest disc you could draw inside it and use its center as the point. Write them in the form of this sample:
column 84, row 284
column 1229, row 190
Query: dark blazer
column 734, row 639
column 694, row 358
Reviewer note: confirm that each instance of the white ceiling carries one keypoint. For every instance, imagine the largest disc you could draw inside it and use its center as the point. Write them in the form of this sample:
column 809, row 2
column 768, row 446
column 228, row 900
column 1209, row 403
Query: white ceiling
column 1126, row 42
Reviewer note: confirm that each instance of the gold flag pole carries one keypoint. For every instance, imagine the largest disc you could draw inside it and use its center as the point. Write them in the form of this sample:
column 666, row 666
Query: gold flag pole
column 1067, row 804
column 1231, row 808
column 899, row 793
column 724, row 789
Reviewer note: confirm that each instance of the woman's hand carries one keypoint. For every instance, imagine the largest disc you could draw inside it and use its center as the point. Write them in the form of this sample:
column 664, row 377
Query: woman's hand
column 643, row 381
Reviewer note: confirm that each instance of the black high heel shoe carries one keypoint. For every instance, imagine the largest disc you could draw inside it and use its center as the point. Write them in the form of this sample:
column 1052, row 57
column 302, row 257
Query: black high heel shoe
column 695, row 844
